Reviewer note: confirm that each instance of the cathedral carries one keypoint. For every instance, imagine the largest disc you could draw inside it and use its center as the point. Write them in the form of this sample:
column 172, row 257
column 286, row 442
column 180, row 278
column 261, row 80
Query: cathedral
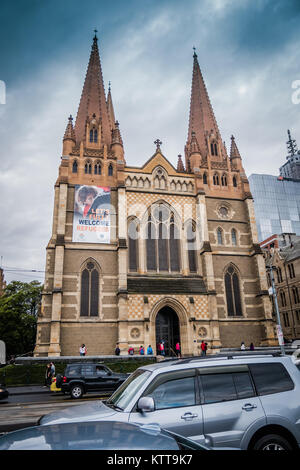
column 143, row 254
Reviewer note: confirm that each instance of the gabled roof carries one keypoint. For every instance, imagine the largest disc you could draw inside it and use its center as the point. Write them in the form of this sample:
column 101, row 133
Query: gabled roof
column 158, row 159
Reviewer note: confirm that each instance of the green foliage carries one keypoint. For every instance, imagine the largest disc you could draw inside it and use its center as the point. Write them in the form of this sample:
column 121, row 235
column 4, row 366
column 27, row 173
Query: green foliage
column 18, row 316
column 34, row 374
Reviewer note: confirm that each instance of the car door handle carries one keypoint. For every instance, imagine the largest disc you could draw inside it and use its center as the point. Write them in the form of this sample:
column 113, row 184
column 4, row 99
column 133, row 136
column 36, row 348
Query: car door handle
column 249, row 407
column 189, row 416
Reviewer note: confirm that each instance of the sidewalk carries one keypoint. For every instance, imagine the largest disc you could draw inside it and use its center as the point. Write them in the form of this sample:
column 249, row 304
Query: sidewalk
column 28, row 390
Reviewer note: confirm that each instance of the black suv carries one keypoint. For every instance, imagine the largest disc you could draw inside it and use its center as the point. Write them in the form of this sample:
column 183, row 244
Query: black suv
column 81, row 378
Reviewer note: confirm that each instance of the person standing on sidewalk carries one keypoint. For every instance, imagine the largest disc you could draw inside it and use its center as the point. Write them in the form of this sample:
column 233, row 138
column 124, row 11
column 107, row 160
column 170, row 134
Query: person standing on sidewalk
column 178, row 349
column 82, row 350
column 48, row 376
column 203, row 348
column 52, row 368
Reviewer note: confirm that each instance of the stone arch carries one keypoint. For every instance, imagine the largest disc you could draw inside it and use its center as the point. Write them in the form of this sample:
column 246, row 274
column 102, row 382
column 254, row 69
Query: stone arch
column 177, row 306
column 183, row 323
column 91, row 269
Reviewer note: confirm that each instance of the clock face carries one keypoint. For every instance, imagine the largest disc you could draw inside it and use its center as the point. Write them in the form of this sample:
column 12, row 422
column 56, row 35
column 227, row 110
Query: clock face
column 202, row 332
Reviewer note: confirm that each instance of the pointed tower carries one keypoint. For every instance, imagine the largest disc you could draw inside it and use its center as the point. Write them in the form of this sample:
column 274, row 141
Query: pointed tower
column 69, row 139
column 180, row 166
column 203, row 127
column 92, row 104
column 235, row 158
column 117, row 142
column 110, row 109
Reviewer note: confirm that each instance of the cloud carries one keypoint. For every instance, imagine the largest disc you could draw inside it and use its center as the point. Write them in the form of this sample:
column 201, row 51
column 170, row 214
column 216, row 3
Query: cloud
column 248, row 52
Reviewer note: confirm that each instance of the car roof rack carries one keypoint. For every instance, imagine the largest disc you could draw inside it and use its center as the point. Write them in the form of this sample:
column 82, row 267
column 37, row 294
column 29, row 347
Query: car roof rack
column 215, row 357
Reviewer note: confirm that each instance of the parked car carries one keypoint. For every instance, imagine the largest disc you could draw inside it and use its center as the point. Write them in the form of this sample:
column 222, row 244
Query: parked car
column 80, row 378
column 295, row 344
column 3, row 392
column 247, row 401
column 100, row 435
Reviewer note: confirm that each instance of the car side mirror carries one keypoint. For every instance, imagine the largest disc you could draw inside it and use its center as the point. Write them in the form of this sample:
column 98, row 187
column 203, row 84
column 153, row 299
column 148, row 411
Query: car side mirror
column 108, row 372
column 146, row 405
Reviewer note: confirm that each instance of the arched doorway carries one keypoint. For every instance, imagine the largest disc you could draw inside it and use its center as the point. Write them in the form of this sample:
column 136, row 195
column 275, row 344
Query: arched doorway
column 167, row 329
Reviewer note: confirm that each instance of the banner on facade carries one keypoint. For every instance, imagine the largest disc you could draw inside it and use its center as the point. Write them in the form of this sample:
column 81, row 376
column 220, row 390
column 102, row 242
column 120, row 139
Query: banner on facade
column 91, row 221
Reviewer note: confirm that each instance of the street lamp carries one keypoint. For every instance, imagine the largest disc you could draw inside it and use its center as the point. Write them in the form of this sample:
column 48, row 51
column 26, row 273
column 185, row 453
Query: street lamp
column 270, row 268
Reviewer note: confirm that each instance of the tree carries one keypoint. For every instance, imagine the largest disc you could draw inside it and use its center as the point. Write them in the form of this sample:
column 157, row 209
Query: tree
column 18, row 316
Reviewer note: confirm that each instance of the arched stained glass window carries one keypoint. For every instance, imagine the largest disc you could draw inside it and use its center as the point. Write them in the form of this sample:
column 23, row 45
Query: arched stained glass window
column 110, row 170
column 191, row 240
column 151, row 246
column 93, row 135
column 224, row 180
column 88, row 168
column 233, row 237
column 233, row 293
column 97, row 168
column 220, row 236
column 133, row 245
column 74, row 166
column 234, row 182
column 216, row 179
column 204, row 178
column 162, row 240
column 163, row 247
column 174, row 248
column 89, row 298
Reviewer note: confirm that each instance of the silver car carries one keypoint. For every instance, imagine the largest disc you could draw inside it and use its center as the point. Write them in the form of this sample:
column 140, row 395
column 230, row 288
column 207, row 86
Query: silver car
column 100, row 435
column 243, row 402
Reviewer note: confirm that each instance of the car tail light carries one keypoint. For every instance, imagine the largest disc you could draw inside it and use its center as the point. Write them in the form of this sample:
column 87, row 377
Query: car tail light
column 64, row 379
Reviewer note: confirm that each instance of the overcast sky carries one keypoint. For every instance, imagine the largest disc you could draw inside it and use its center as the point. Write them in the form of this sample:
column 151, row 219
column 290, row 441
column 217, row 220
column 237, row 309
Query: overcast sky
column 249, row 53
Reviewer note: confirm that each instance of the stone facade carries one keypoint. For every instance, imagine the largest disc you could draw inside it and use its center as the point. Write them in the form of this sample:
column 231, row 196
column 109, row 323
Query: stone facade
column 215, row 287
column 286, row 271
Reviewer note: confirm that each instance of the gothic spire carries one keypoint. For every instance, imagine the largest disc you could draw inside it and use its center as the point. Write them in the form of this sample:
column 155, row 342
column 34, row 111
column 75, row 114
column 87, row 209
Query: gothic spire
column 93, row 99
column 110, row 108
column 180, row 166
column 69, row 133
column 234, row 151
column 202, row 120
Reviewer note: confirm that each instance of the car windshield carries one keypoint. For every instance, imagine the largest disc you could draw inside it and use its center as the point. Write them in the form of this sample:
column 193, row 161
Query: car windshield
column 124, row 394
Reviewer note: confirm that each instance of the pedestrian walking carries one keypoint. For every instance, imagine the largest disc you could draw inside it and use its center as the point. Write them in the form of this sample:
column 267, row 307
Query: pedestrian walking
column 243, row 347
column 117, row 350
column 178, row 349
column 251, row 347
column 203, row 348
column 131, row 351
column 149, row 350
column 142, row 351
column 162, row 348
column 82, row 350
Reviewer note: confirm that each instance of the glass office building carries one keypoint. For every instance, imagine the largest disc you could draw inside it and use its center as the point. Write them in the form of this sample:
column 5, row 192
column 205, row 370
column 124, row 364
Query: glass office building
column 276, row 205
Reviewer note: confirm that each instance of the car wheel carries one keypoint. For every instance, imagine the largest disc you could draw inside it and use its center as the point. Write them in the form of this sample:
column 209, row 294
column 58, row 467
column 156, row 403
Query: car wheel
column 76, row 391
column 272, row 442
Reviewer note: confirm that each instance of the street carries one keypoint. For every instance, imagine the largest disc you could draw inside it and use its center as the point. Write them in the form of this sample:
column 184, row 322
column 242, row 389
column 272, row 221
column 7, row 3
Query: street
column 24, row 409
